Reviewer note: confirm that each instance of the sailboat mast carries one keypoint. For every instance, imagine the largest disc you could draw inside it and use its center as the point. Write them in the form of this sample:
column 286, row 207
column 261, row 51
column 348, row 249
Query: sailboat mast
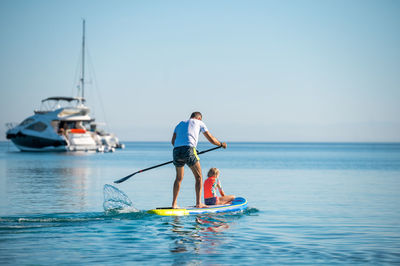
column 83, row 61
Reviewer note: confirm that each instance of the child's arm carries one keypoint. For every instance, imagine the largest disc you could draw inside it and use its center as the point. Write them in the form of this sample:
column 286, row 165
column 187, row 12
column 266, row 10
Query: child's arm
column 221, row 191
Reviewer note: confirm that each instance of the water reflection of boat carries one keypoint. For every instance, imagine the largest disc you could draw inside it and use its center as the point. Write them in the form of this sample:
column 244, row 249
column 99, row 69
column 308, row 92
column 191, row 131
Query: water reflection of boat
column 60, row 184
column 62, row 124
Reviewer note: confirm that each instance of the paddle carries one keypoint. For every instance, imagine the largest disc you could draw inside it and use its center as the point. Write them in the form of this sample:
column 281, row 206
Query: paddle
column 140, row 171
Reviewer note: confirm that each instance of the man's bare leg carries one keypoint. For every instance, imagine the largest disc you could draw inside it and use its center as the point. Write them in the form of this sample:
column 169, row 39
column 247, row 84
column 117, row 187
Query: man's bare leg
column 196, row 169
column 177, row 186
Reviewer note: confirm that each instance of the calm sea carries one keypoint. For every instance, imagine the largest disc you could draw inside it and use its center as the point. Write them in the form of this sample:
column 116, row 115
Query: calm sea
column 308, row 204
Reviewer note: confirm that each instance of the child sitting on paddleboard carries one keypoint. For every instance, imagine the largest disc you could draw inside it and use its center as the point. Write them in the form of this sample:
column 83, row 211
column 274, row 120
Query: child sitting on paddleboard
column 211, row 185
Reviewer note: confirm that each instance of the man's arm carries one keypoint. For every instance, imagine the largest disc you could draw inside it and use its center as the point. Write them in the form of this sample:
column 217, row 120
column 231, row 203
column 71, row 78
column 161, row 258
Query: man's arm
column 213, row 140
column 173, row 139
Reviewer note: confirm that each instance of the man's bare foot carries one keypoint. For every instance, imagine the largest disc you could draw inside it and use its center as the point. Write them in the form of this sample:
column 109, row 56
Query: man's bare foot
column 175, row 207
column 201, row 205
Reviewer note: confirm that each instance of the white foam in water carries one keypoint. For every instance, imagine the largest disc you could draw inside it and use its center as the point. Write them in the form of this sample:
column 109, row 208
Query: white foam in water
column 116, row 200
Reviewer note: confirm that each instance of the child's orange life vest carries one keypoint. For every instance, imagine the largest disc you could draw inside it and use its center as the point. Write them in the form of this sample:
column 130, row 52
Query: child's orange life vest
column 210, row 187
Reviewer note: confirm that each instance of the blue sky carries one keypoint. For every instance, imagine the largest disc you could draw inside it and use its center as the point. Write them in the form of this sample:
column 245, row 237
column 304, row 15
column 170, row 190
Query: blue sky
column 257, row 70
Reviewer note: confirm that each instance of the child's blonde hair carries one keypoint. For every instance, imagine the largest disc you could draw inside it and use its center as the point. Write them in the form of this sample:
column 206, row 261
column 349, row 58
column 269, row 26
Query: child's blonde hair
column 213, row 172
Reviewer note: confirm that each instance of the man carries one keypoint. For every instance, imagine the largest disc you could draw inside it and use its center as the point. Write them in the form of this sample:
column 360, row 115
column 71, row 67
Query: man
column 184, row 140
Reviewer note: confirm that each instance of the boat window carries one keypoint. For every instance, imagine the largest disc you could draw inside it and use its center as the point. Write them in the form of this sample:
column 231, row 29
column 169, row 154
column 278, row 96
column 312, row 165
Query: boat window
column 39, row 126
column 27, row 121
column 55, row 124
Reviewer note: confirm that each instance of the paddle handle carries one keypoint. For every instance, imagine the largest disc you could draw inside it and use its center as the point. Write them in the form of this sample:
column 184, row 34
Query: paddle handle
column 155, row 166
column 215, row 148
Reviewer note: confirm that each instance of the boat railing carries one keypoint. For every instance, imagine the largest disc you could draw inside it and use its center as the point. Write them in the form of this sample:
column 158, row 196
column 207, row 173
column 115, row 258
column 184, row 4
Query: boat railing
column 53, row 103
column 11, row 125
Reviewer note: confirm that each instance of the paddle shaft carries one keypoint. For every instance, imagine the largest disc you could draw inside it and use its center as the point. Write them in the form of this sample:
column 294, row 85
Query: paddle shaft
column 155, row 166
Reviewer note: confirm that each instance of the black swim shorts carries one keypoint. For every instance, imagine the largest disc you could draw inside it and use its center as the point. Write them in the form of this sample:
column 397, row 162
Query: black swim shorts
column 210, row 201
column 185, row 155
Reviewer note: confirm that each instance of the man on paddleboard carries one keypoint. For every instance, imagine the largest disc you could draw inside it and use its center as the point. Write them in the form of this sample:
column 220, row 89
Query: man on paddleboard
column 184, row 140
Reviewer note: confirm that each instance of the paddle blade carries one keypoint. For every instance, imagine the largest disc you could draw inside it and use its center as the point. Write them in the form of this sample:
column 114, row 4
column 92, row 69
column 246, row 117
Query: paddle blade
column 124, row 178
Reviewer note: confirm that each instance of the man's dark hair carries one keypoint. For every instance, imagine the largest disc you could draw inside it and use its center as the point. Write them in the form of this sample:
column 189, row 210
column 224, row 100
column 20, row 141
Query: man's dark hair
column 196, row 115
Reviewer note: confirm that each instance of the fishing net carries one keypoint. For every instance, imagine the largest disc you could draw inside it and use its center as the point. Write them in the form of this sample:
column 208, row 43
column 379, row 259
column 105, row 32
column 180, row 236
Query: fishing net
column 115, row 199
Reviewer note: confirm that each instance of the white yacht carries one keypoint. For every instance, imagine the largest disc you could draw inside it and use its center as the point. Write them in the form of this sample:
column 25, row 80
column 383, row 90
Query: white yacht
column 63, row 124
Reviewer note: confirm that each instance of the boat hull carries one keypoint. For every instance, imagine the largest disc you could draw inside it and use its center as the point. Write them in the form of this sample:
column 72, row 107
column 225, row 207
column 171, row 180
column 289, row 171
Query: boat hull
column 26, row 142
